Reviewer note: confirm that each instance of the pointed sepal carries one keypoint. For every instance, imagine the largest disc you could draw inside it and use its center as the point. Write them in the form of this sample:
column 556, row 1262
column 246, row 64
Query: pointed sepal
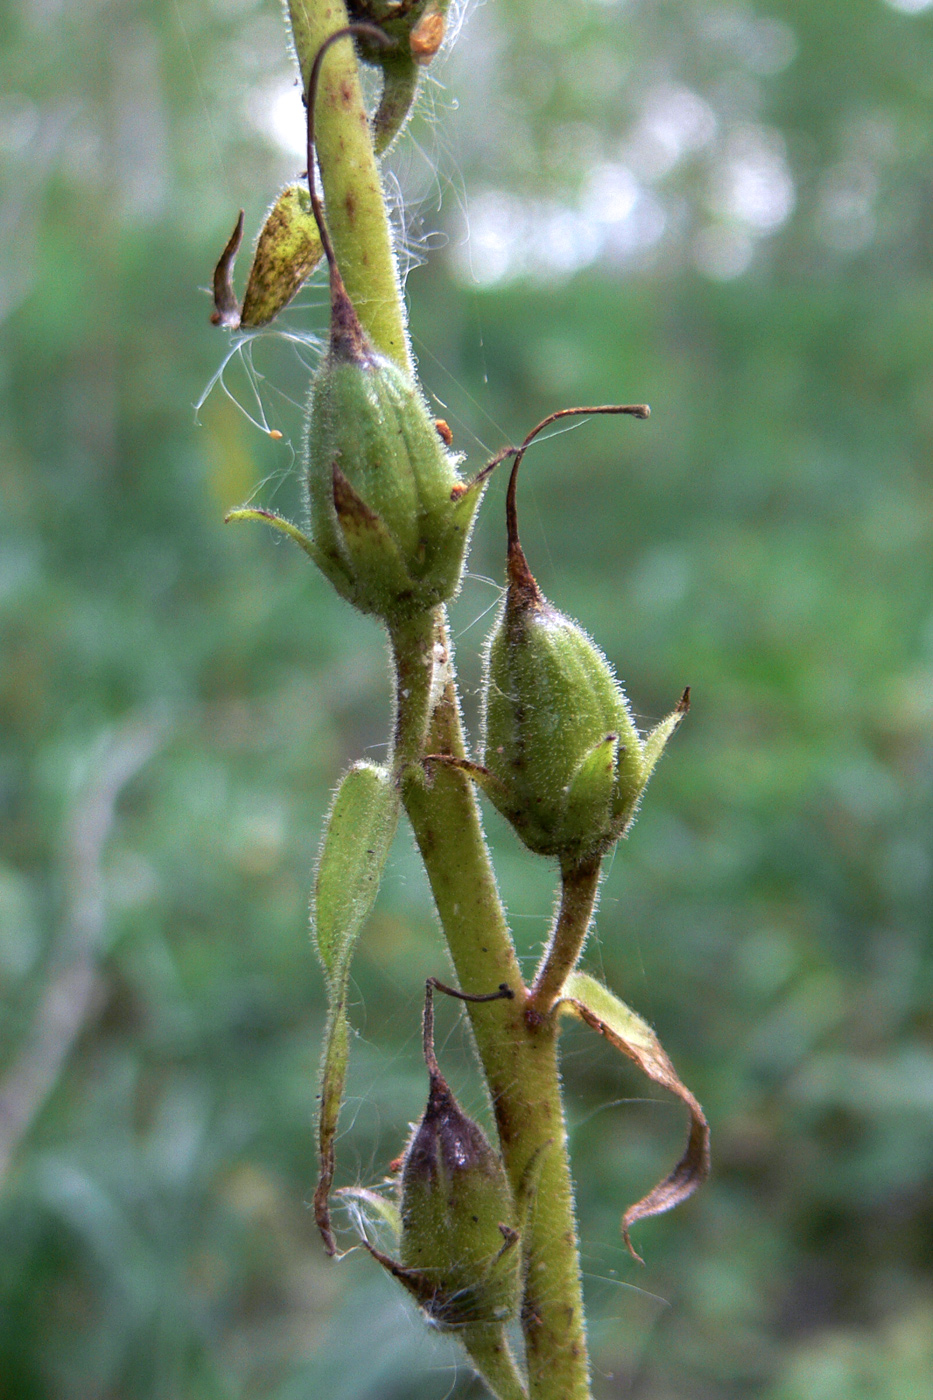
column 656, row 742
column 332, row 569
column 372, row 554
column 589, row 792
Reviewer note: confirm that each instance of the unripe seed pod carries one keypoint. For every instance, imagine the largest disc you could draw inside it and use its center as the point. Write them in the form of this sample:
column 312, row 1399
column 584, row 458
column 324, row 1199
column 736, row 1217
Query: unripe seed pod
column 458, row 1243
column 563, row 759
column 387, row 506
column 456, row 1214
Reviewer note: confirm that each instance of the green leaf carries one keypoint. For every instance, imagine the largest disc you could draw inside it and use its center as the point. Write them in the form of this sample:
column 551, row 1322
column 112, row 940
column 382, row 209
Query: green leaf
column 602, row 1009
column 359, row 832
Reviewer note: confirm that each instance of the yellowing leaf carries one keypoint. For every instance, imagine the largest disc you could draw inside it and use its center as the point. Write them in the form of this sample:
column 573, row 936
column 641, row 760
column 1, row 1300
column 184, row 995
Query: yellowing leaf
column 585, row 997
column 287, row 252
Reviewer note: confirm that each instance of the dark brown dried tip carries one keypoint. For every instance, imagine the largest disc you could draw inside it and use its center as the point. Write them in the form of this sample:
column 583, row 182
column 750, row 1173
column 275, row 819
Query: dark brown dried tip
column 683, row 704
column 521, row 579
column 445, row 1129
column 502, row 993
column 680, row 1184
column 348, row 340
column 694, row 1165
column 226, row 311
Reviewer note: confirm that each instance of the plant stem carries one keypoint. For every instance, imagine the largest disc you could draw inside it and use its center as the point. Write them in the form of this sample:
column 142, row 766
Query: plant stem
column 518, row 1054
column 356, row 214
column 413, row 652
column 494, row 1361
column 579, row 884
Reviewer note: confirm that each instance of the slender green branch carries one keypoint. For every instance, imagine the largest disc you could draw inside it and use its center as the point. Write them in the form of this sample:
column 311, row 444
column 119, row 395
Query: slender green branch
column 356, row 213
column 519, row 1059
column 494, row 1361
column 579, row 884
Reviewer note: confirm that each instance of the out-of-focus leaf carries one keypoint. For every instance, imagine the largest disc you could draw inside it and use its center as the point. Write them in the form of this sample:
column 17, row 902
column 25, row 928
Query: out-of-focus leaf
column 602, row 1009
column 386, row 1209
column 357, row 838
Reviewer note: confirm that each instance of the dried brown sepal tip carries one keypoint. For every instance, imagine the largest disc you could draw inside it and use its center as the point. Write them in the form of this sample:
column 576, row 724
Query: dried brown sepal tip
column 226, row 311
column 457, row 1249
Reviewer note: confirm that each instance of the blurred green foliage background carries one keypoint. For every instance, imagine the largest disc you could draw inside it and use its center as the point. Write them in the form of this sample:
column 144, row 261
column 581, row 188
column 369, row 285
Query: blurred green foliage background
column 719, row 207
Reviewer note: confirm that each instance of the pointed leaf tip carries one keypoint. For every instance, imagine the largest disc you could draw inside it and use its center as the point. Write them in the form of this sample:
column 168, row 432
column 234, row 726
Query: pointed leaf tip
column 679, row 1185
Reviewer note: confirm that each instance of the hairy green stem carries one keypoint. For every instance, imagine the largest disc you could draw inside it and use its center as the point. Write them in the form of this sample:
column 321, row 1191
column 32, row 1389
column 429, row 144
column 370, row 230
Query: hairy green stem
column 494, row 1361
column 518, row 1053
column 356, row 213
column 579, row 885
column 413, row 653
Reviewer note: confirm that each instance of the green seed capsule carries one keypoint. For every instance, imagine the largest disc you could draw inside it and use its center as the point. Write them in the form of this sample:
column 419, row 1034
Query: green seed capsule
column 458, row 1243
column 456, row 1214
column 563, row 759
column 387, row 507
